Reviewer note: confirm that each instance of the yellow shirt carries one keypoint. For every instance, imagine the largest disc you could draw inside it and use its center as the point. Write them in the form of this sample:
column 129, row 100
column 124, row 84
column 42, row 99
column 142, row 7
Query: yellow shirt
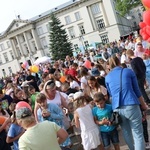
column 42, row 136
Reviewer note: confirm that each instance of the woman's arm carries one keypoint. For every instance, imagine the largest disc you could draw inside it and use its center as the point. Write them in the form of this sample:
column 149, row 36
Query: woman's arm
column 76, row 119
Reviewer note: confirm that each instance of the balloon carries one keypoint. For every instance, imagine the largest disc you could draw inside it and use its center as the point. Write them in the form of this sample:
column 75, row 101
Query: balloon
column 147, row 52
column 30, row 68
column 35, row 69
column 148, row 40
column 62, row 79
column 141, row 31
column 146, row 17
column 2, row 119
column 22, row 104
column 142, row 24
column 145, row 36
column 147, row 30
column 146, row 3
column 87, row 64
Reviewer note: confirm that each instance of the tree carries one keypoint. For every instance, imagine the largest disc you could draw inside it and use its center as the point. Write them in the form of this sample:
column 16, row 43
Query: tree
column 60, row 46
column 123, row 6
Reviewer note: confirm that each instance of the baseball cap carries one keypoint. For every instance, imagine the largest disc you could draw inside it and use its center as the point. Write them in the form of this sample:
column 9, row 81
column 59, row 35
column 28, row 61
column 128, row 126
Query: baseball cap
column 23, row 113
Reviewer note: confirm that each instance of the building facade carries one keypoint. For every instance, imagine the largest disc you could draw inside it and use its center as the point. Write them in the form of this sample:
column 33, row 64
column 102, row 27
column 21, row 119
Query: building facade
column 87, row 22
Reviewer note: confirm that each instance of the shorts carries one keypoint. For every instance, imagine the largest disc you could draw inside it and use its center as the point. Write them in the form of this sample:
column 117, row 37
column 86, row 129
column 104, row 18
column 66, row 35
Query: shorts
column 108, row 137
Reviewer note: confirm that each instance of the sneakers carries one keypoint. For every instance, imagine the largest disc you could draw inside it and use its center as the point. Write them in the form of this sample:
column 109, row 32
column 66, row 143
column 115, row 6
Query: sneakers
column 147, row 145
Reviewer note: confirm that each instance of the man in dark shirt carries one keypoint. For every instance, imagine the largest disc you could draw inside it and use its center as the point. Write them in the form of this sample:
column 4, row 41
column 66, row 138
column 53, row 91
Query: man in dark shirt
column 139, row 68
column 31, row 80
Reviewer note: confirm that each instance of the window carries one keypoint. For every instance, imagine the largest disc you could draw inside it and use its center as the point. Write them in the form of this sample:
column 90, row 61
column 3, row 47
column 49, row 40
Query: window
column 95, row 9
column 8, row 44
column 10, row 70
column 48, row 27
column 0, row 60
column 15, row 41
column 77, row 16
column 68, row 19
column 30, row 36
column 71, row 33
column 2, row 47
column 19, row 52
column 5, row 57
column 100, row 24
column 40, row 30
column 35, row 48
column 86, row 43
column 11, row 54
column 44, row 43
column 81, row 28
column 4, row 73
column 22, row 39
column 26, row 48
column 76, row 47
column 104, row 38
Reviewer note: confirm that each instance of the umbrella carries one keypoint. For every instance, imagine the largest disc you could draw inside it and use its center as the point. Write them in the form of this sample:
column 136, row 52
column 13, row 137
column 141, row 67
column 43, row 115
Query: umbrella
column 42, row 60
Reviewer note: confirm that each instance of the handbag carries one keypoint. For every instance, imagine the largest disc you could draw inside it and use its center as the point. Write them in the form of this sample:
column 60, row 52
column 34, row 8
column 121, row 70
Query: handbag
column 115, row 117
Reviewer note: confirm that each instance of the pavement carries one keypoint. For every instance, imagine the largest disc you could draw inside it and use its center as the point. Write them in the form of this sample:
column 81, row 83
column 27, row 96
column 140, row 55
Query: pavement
column 78, row 146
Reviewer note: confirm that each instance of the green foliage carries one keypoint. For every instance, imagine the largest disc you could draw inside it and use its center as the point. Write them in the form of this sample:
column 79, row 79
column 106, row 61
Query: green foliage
column 124, row 6
column 59, row 41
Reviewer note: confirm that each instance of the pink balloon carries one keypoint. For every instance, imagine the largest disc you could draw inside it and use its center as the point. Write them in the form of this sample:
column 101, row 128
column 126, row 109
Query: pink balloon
column 22, row 104
column 142, row 24
column 146, row 17
column 146, row 3
column 148, row 40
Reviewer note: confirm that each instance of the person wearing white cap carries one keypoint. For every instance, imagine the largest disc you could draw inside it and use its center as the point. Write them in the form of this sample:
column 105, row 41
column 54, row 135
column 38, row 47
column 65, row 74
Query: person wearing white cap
column 45, row 135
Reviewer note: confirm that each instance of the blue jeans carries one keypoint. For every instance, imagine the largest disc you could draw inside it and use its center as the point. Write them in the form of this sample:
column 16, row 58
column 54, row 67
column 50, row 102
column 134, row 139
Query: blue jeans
column 110, row 136
column 132, row 126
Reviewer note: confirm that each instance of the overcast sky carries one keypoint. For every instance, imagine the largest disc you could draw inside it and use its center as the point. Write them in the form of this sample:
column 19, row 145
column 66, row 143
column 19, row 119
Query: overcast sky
column 25, row 8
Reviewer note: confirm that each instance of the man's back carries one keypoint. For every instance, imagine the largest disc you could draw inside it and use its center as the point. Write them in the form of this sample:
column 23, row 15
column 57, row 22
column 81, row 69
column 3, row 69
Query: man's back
column 42, row 136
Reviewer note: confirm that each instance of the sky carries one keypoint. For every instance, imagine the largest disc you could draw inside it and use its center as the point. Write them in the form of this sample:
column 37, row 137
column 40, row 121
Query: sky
column 27, row 9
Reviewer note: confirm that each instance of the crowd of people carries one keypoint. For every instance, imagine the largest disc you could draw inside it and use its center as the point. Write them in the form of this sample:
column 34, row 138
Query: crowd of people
column 77, row 97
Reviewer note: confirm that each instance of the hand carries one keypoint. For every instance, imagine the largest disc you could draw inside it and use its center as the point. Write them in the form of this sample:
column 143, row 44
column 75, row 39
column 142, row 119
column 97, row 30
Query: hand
column 144, row 106
column 7, row 121
column 45, row 114
column 105, row 121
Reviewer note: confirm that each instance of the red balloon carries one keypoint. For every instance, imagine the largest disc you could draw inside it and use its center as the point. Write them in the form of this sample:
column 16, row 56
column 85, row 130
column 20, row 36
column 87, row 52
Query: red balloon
column 146, row 17
column 148, row 40
column 145, row 36
column 141, row 31
column 142, row 24
column 146, row 3
column 22, row 104
column 147, row 30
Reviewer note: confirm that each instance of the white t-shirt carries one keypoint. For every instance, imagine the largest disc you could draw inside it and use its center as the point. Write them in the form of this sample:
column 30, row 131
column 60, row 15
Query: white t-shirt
column 123, row 58
column 83, row 81
column 74, row 85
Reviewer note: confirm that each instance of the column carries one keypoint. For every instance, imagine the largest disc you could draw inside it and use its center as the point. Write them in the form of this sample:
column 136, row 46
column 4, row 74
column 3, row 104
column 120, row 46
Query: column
column 27, row 42
column 91, row 18
column 104, row 14
column 17, row 38
column 36, row 39
column 13, row 47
